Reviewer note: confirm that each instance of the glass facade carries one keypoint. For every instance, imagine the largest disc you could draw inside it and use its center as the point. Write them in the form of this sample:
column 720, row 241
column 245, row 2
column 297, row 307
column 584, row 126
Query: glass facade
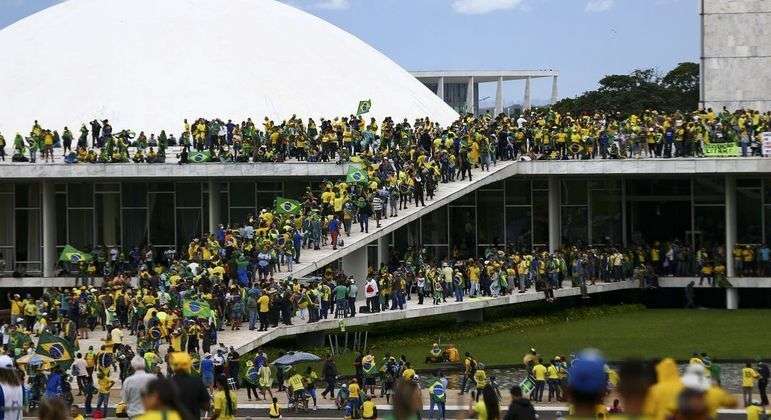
column 600, row 211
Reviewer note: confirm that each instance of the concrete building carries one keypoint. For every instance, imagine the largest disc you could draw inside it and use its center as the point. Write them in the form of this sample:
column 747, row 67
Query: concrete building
column 460, row 89
column 736, row 54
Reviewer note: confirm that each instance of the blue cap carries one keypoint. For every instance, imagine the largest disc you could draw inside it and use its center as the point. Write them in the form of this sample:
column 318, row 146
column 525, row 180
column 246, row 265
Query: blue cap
column 587, row 373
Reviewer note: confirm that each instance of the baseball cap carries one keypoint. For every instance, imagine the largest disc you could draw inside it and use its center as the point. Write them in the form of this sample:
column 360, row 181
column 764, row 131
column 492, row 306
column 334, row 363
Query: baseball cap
column 587, row 373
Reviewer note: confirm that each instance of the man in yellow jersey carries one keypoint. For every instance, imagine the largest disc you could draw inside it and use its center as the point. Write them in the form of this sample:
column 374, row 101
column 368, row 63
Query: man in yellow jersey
column 539, row 373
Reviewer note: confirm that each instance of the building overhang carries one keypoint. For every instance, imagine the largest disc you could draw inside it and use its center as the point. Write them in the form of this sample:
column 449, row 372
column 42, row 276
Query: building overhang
column 481, row 76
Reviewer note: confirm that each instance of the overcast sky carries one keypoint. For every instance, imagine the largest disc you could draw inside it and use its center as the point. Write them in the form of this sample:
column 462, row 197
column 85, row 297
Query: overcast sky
column 583, row 39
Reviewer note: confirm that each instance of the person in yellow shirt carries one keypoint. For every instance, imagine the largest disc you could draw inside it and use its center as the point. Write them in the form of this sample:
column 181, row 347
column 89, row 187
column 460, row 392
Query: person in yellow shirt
column 160, row 401
column 755, row 411
column 224, row 402
column 353, row 397
column 409, row 372
column 274, row 410
column 368, row 409
column 539, row 373
column 263, row 310
column 552, row 380
column 749, row 376
column 104, row 385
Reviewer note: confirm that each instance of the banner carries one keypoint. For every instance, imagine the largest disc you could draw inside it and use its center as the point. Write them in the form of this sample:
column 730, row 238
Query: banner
column 56, row 348
column 721, row 150
column 766, row 143
column 71, row 255
column 287, row 206
column 199, row 157
column 356, row 175
column 364, row 107
column 195, row 309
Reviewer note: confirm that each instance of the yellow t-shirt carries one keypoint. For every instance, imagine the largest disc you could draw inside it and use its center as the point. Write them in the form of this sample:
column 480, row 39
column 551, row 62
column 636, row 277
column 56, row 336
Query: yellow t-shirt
column 264, row 302
column 539, row 371
column 748, row 377
column 353, row 391
column 481, row 409
column 105, row 384
column 221, row 405
column 754, row 412
column 159, row 415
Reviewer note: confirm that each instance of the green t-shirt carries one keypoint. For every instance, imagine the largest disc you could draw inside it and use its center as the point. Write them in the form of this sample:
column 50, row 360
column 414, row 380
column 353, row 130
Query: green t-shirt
column 341, row 292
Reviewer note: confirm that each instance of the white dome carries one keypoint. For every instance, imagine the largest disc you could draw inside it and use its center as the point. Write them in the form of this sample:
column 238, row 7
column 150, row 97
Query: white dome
column 148, row 64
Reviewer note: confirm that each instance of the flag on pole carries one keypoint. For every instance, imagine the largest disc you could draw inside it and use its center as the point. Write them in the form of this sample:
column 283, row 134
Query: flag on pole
column 56, row 348
column 364, row 107
column 71, row 255
column 356, row 175
column 195, row 309
column 200, row 157
column 287, row 206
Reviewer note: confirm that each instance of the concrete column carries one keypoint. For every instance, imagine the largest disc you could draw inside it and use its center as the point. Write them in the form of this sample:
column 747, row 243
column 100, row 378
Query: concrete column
column 383, row 251
column 730, row 223
column 555, row 199
column 470, row 99
column 49, row 229
column 526, row 100
column 214, row 205
column 499, row 96
column 732, row 298
column 440, row 88
column 355, row 264
column 554, row 94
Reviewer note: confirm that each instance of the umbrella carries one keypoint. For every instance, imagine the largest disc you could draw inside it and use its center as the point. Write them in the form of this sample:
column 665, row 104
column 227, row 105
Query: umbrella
column 293, row 357
column 34, row 359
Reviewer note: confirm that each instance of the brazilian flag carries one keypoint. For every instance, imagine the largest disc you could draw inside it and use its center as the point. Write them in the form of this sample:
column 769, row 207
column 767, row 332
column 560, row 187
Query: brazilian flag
column 364, row 107
column 195, row 309
column 287, row 206
column 56, row 348
column 356, row 175
column 71, row 255
column 200, row 157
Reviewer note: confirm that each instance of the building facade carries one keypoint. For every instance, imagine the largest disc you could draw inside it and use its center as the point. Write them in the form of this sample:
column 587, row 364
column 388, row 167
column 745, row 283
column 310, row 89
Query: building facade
column 736, row 54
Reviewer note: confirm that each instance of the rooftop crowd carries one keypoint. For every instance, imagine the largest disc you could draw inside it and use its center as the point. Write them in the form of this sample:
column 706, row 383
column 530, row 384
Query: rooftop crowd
column 536, row 134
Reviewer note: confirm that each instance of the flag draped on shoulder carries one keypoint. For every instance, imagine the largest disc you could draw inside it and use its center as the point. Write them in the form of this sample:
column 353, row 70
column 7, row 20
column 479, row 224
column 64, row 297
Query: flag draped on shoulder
column 195, row 309
column 57, row 348
column 356, row 175
column 287, row 206
column 70, row 254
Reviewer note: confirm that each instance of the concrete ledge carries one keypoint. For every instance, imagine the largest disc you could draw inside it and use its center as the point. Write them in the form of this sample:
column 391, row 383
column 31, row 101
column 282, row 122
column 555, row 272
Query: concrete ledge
column 737, row 282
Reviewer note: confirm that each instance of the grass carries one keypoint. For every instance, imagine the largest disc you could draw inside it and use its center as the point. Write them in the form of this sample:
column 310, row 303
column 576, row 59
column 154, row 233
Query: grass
column 621, row 331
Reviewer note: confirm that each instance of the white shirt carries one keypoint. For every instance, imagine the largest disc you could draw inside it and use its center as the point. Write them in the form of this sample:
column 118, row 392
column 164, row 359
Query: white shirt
column 12, row 401
column 370, row 289
column 131, row 392
column 82, row 366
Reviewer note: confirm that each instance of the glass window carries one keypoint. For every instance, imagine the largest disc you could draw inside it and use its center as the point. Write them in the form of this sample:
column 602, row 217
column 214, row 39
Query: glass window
column 462, row 230
column 490, row 222
column 606, row 217
column 265, row 199
column 27, row 195
column 6, row 219
column 28, row 236
column 517, row 192
column 573, row 191
column 574, row 225
column 656, row 186
column 81, row 229
column 708, row 190
column 134, row 194
column 80, row 194
column 498, row 185
column 434, row 227
column 748, row 216
column 162, row 219
column 296, row 189
column 436, row 253
column 239, row 215
column 188, row 194
column 135, row 232
column 709, row 226
column 270, row 186
column 189, row 224
column 108, row 219
column 748, row 182
column 540, row 219
column 109, row 187
column 518, row 227
column 60, row 201
column 604, row 184
column 242, row 194
column 541, row 184
column 162, row 186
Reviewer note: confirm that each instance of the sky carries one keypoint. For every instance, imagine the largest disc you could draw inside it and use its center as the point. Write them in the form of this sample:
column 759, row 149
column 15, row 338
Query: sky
column 583, row 39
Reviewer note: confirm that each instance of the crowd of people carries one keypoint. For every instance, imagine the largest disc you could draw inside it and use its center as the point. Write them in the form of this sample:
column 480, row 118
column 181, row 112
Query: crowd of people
column 535, row 134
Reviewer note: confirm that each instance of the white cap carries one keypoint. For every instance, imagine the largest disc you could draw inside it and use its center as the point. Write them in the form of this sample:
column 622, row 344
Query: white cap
column 6, row 362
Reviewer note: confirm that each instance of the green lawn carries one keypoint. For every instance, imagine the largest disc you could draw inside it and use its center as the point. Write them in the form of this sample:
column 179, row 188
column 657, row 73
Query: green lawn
column 619, row 331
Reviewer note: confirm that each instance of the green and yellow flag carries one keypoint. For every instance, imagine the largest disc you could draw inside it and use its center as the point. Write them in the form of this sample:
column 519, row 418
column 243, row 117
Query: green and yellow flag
column 195, row 309
column 356, row 175
column 71, row 255
column 364, row 107
column 57, row 348
column 287, row 206
column 199, row 157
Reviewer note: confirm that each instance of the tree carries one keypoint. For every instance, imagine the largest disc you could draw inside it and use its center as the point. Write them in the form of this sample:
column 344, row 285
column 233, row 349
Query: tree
column 640, row 90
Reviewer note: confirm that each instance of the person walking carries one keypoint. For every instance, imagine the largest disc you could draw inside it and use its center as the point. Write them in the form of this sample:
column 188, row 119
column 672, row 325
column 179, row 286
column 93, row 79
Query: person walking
column 764, row 373
column 134, row 386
